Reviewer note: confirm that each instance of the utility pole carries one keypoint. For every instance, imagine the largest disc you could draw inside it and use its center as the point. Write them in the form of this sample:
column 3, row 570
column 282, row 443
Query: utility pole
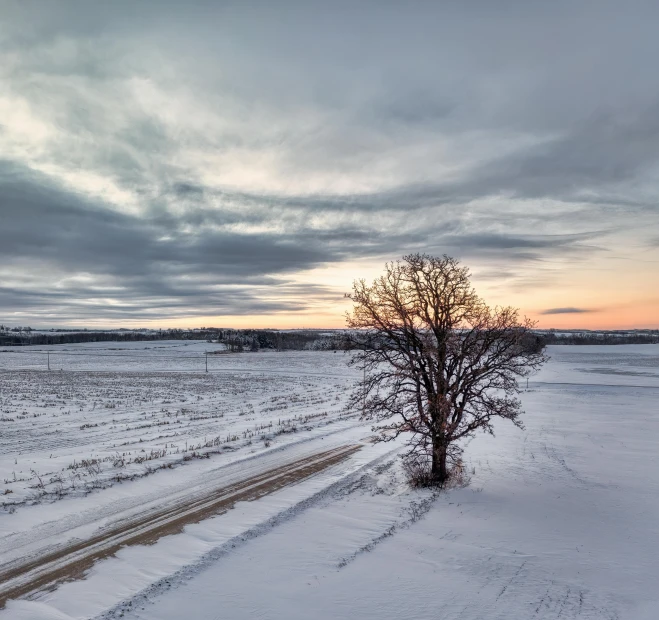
column 364, row 398
column 48, row 354
column 206, row 361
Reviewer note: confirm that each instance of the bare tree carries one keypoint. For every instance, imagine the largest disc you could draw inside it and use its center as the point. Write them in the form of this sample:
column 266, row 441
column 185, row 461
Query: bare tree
column 438, row 362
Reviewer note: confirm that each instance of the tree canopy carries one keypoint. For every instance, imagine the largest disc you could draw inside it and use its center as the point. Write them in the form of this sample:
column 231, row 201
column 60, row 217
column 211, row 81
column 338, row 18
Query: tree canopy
column 439, row 363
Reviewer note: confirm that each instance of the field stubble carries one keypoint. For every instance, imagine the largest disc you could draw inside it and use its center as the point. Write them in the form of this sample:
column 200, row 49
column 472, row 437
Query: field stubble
column 69, row 432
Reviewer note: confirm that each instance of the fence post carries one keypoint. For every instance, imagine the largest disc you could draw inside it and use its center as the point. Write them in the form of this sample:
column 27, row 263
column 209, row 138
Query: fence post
column 206, row 361
column 48, row 354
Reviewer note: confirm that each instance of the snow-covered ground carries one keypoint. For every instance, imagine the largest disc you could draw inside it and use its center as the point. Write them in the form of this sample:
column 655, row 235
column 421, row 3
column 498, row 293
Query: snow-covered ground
column 111, row 412
column 560, row 520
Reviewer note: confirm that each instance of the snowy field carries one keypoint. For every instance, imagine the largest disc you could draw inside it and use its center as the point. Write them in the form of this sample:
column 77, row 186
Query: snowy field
column 560, row 520
column 111, row 412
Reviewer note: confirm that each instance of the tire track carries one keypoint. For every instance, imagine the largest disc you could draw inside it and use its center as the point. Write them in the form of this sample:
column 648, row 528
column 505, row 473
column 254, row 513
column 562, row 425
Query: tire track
column 70, row 561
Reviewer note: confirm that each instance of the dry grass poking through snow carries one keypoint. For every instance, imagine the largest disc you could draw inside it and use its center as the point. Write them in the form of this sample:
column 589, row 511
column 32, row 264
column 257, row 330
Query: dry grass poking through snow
column 67, row 433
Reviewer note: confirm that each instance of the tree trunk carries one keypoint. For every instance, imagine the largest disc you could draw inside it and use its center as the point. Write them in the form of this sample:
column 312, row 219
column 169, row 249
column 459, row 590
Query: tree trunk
column 439, row 470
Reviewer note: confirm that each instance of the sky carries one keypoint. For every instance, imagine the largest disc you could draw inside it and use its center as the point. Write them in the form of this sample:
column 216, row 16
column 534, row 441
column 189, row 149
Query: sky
column 241, row 163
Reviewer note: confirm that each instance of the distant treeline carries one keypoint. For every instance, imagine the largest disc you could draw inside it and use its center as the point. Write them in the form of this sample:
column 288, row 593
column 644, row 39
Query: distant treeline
column 233, row 339
column 31, row 337
column 296, row 340
column 583, row 338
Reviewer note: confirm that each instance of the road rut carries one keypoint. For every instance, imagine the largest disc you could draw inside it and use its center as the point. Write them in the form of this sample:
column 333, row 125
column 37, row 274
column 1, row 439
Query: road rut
column 70, row 561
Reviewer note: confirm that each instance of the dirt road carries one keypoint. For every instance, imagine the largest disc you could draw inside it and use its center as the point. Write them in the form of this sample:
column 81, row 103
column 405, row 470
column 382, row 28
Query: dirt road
column 70, row 560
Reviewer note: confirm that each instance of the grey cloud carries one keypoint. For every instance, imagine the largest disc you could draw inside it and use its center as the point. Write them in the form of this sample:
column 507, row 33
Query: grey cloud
column 567, row 310
column 184, row 190
column 595, row 157
column 416, row 108
column 158, row 264
column 146, row 298
column 42, row 221
column 150, row 267
column 499, row 241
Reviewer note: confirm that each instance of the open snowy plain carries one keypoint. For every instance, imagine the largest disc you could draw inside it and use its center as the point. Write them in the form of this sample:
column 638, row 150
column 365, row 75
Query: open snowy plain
column 156, row 490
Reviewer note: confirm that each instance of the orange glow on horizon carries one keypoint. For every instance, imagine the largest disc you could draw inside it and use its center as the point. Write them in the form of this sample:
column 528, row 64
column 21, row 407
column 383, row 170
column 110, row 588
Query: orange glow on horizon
column 645, row 316
column 630, row 311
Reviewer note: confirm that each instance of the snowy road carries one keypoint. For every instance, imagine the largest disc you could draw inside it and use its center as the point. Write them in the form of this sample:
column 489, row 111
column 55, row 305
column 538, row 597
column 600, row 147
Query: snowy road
column 48, row 565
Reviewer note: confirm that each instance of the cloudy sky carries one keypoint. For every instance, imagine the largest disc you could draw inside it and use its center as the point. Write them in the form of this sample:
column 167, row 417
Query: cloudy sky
column 241, row 163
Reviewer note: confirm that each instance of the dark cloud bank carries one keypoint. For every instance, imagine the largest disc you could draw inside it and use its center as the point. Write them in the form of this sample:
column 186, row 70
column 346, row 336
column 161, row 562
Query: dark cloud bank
column 157, row 266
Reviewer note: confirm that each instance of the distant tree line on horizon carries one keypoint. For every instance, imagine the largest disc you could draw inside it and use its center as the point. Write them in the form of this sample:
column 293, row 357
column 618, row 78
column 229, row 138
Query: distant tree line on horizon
column 238, row 340
column 599, row 338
